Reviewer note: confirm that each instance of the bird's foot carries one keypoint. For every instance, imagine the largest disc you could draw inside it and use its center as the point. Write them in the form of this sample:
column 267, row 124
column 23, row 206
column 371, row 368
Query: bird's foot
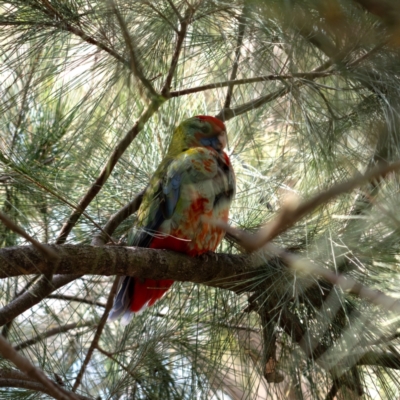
column 208, row 256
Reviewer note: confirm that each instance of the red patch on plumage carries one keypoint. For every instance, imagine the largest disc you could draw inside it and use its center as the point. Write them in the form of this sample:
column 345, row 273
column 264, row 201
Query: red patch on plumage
column 148, row 291
column 226, row 158
column 208, row 164
column 169, row 243
column 213, row 120
column 197, row 207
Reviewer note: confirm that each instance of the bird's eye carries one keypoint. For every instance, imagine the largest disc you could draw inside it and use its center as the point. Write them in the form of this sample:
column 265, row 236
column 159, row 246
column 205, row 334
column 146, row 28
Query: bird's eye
column 205, row 128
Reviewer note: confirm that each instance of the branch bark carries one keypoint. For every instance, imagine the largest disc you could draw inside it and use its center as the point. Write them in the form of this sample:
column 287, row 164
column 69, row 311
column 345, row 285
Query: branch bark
column 16, row 379
column 47, row 252
column 224, row 270
column 232, row 272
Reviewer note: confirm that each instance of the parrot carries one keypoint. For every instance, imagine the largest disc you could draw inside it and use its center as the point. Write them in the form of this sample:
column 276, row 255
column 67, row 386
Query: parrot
column 194, row 182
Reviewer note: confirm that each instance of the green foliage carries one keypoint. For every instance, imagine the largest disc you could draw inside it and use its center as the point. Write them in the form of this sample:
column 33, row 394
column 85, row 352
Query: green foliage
column 68, row 97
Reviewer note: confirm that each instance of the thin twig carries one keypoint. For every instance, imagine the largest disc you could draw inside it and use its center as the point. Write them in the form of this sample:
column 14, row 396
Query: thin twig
column 49, row 190
column 8, row 352
column 171, row 3
column 77, row 299
column 97, row 335
column 290, row 215
column 107, row 169
column 134, row 61
column 334, row 390
column 347, row 284
column 17, row 379
column 6, row 328
column 66, row 26
column 227, row 114
column 45, row 250
column 116, row 219
column 242, row 27
column 34, row 296
column 158, row 12
column 264, row 78
column 111, row 357
column 52, row 332
column 180, row 37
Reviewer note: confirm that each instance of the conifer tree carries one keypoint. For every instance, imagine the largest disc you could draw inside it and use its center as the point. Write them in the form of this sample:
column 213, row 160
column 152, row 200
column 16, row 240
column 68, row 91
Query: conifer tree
column 300, row 301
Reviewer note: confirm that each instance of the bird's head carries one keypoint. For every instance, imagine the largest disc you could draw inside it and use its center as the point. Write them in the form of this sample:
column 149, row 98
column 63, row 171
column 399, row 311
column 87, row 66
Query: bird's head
column 199, row 131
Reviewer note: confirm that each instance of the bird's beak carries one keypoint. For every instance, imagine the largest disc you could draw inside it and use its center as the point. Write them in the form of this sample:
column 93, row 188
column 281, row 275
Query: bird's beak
column 223, row 139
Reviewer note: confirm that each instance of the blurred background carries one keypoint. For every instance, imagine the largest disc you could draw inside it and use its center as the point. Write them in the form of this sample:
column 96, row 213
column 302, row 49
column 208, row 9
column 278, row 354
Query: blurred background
column 316, row 100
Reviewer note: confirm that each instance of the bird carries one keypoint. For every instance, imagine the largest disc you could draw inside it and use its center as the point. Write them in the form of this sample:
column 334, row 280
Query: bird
column 193, row 184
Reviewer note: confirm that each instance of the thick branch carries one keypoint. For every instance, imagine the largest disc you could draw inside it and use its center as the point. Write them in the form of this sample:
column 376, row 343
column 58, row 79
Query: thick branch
column 224, row 270
column 234, row 272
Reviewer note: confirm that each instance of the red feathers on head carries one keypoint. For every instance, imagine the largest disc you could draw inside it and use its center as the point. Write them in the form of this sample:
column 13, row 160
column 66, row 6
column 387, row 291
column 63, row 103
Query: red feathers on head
column 212, row 120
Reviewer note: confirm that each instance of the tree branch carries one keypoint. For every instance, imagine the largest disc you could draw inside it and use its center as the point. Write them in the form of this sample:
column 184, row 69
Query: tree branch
column 8, row 352
column 224, row 270
column 98, row 333
column 16, row 379
column 44, row 249
column 232, row 272
column 242, row 27
column 77, row 299
column 228, row 113
column 52, row 332
column 47, row 189
column 111, row 357
column 108, row 168
column 134, row 61
column 263, row 78
column 66, row 26
column 291, row 214
column 116, row 219
column 34, row 296
column 382, row 359
column 180, row 37
column 171, row 3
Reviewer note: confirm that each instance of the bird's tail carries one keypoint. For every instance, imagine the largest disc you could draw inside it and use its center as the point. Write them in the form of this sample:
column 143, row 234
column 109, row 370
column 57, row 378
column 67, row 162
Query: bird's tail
column 135, row 295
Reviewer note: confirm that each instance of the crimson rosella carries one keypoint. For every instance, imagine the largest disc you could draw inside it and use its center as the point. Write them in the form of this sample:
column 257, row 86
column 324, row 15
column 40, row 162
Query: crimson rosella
column 195, row 181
